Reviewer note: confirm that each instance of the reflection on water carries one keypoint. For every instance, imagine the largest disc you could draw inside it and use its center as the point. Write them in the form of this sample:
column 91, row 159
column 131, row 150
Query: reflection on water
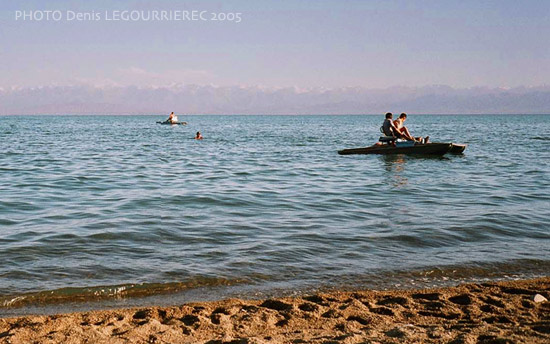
column 395, row 165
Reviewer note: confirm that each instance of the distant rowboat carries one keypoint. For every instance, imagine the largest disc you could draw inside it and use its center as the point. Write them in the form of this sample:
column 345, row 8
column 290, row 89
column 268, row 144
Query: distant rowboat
column 175, row 123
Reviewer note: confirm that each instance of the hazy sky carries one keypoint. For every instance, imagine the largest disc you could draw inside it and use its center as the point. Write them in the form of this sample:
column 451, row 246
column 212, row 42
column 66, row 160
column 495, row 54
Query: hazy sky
column 373, row 44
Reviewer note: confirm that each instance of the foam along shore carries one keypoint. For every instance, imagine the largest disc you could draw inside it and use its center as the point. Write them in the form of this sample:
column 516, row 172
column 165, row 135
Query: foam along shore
column 494, row 312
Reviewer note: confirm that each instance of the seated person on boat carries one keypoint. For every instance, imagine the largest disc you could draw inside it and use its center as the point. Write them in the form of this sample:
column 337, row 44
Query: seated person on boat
column 172, row 118
column 390, row 130
column 403, row 130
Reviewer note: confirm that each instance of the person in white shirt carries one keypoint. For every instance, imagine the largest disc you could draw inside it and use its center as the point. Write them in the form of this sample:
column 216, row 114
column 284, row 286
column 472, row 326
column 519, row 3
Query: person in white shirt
column 172, row 118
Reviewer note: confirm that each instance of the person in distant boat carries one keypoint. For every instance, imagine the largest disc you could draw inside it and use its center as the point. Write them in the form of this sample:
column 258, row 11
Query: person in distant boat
column 389, row 128
column 403, row 130
column 172, row 118
column 198, row 136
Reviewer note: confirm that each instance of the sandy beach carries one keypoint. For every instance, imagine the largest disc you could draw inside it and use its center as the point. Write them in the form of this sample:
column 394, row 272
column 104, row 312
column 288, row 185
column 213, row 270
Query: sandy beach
column 495, row 312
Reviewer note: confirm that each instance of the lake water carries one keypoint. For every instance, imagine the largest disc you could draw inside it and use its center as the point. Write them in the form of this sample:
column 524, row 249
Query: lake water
column 126, row 211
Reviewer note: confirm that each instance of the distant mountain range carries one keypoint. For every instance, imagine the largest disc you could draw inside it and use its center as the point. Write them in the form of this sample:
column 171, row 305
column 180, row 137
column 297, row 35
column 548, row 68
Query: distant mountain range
column 437, row 99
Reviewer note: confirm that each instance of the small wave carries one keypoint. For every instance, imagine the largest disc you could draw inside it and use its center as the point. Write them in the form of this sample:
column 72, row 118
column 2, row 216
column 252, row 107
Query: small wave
column 540, row 138
column 99, row 293
column 470, row 273
column 11, row 301
column 7, row 222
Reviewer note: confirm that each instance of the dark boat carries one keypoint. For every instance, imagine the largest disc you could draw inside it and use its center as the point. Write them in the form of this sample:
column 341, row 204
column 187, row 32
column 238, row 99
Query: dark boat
column 421, row 149
column 177, row 123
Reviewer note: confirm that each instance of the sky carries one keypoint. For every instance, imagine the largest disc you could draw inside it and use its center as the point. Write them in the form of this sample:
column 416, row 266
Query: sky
column 302, row 44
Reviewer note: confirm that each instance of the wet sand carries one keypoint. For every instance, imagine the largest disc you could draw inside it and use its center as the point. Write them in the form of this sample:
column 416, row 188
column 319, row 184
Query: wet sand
column 496, row 312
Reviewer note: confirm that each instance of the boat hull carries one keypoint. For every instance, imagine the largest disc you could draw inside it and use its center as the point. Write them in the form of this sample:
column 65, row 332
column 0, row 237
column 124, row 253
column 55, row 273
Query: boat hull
column 457, row 148
column 420, row 149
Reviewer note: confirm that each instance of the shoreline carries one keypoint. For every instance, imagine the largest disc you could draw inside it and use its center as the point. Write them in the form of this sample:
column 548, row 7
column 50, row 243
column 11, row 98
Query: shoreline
column 503, row 312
